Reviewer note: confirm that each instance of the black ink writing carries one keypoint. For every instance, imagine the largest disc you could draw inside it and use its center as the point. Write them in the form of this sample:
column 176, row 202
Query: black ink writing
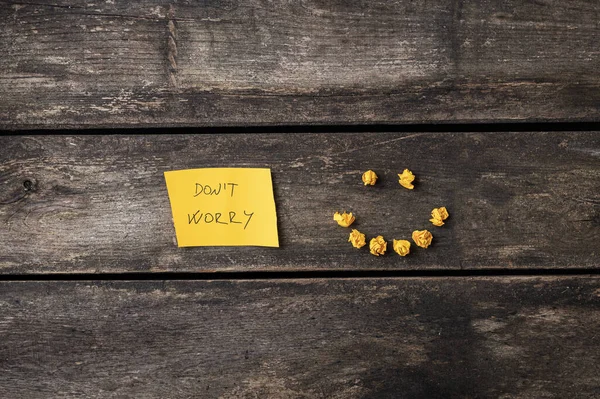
column 231, row 216
column 232, row 187
column 193, row 218
column 249, row 217
column 217, row 217
column 214, row 190
column 199, row 217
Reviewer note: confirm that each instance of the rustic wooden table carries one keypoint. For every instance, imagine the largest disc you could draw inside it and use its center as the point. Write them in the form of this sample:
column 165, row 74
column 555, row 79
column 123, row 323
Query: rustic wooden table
column 97, row 301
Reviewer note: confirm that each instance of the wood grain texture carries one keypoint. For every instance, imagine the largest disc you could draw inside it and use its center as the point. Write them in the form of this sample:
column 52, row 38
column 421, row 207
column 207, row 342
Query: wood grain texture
column 227, row 62
column 99, row 203
column 381, row 338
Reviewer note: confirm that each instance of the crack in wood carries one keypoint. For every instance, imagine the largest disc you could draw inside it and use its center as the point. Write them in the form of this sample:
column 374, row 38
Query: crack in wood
column 172, row 47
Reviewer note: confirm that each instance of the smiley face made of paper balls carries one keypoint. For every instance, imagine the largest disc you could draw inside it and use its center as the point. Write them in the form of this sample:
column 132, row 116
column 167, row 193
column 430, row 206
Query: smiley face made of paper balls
column 378, row 245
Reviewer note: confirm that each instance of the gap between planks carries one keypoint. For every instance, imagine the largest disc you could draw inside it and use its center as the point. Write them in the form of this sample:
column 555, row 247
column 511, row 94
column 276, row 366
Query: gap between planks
column 303, row 275
column 321, row 128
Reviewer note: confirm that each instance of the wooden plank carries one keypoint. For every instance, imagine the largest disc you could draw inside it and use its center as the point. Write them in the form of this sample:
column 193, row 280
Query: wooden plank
column 99, row 203
column 428, row 338
column 228, row 62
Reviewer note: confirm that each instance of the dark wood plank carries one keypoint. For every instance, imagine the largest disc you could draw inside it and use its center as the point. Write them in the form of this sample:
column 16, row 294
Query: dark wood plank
column 229, row 62
column 381, row 338
column 99, row 203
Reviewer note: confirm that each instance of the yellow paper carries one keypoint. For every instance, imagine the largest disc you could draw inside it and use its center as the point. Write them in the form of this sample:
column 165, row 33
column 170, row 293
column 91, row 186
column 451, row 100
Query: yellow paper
column 406, row 179
column 369, row 178
column 344, row 219
column 422, row 238
column 357, row 239
column 223, row 207
column 402, row 247
column 438, row 215
column 378, row 246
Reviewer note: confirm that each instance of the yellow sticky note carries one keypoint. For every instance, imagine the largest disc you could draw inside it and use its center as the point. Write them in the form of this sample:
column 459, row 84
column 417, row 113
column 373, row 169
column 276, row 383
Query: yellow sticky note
column 223, row 207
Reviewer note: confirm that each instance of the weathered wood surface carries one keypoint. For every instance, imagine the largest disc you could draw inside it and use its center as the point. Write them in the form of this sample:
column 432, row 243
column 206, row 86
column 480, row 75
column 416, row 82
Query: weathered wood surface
column 99, row 203
column 119, row 63
column 380, row 338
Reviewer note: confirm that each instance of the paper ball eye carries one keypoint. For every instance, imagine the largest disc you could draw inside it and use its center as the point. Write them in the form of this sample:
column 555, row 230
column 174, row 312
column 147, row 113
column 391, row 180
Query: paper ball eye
column 369, row 178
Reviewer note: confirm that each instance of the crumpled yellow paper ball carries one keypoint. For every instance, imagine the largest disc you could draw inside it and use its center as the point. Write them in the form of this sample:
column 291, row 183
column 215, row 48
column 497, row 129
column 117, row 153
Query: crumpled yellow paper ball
column 422, row 238
column 406, row 179
column 402, row 247
column 345, row 219
column 357, row 239
column 378, row 246
column 369, row 178
column 438, row 215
